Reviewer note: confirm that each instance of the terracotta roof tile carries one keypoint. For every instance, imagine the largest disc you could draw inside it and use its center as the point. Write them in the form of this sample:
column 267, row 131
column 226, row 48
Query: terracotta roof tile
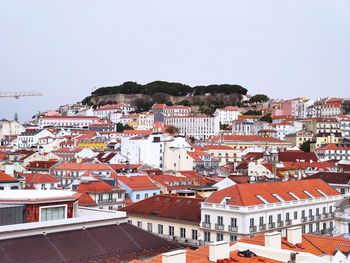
column 137, row 182
column 246, row 194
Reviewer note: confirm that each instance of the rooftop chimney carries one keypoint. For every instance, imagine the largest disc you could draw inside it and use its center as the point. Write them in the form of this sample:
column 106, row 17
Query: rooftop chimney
column 177, row 256
column 294, row 235
column 219, row 250
column 273, row 240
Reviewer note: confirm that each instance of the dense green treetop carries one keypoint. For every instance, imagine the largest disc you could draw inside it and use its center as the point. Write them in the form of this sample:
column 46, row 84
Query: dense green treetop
column 170, row 88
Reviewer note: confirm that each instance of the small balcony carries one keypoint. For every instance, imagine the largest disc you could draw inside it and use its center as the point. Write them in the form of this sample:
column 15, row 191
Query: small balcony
column 271, row 225
column 206, row 225
column 252, row 229
column 262, row 227
column 326, row 215
column 311, row 218
column 304, row 219
column 280, row 224
column 219, row 227
column 318, row 217
column 107, row 201
column 288, row 222
column 233, row 228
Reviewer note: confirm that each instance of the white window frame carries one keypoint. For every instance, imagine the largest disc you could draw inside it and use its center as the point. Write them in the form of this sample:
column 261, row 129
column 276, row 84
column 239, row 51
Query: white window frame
column 52, row 206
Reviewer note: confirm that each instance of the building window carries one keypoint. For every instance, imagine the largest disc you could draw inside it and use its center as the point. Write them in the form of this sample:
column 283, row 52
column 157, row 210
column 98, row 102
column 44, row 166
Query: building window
column 207, row 219
column 100, row 197
column 233, row 222
column 149, row 227
column 171, row 231
column 251, row 222
column 287, row 216
column 119, row 195
column 207, row 236
column 182, row 232
column 138, row 196
column 160, row 229
column 220, row 221
column 324, row 210
column 303, row 229
column 219, row 237
column 279, row 218
column 52, row 213
column 310, row 228
column 194, row 234
column 110, row 207
column 233, row 238
column 303, row 214
column 317, row 211
column 342, row 191
column 146, row 195
column 310, row 212
column 295, row 215
column 129, row 222
column 261, row 221
column 270, row 219
column 139, row 224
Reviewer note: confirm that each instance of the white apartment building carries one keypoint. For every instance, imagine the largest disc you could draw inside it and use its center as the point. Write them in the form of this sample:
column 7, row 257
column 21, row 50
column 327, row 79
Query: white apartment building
column 31, row 138
column 333, row 151
column 176, row 110
column 10, row 128
column 200, row 127
column 106, row 110
column 247, row 209
column 67, row 121
column 145, row 121
column 227, row 115
column 344, row 121
column 145, row 149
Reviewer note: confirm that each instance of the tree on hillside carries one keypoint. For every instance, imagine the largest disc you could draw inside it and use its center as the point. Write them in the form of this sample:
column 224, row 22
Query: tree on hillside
column 121, row 127
column 252, row 112
column 258, row 98
column 305, row 146
column 266, row 118
column 172, row 129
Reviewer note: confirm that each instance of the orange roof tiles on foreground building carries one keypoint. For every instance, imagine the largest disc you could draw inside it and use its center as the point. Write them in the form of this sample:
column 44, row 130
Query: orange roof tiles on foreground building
column 315, row 244
column 247, row 194
column 201, row 255
column 137, row 182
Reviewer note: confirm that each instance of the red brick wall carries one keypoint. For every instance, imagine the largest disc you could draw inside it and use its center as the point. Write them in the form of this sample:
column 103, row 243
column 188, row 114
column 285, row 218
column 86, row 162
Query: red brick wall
column 32, row 210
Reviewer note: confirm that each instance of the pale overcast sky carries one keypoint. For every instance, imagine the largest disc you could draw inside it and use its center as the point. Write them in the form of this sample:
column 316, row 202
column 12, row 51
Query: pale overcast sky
column 64, row 48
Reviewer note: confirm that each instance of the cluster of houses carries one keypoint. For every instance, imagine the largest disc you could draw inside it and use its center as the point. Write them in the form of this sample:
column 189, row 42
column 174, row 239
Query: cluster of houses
column 199, row 181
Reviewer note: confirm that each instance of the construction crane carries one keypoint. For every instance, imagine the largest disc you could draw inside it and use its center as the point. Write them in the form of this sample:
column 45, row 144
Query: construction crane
column 18, row 94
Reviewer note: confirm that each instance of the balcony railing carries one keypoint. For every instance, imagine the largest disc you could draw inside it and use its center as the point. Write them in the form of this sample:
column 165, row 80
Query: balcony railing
column 271, row 225
column 304, row 219
column 107, row 201
column 326, row 215
column 262, row 227
column 219, row 227
column 318, row 217
column 311, row 218
column 233, row 228
column 252, row 229
column 280, row 224
column 288, row 222
column 206, row 225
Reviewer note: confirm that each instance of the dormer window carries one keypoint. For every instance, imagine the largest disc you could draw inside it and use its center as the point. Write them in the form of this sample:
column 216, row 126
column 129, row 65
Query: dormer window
column 322, row 193
column 262, row 199
column 226, row 200
column 294, row 196
column 308, row 194
column 278, row 197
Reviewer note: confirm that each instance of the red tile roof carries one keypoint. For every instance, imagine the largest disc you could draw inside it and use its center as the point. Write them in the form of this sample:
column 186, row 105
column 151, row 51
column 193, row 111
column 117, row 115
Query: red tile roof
column 95, row 187
column 137, row 182
column 246, row 194
column 292, row 156
column 38, row 178
column 7, row 178
column 168, row 206
column 201, row 255
column 83, row 166
column 245, row 138
column 314, row 244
